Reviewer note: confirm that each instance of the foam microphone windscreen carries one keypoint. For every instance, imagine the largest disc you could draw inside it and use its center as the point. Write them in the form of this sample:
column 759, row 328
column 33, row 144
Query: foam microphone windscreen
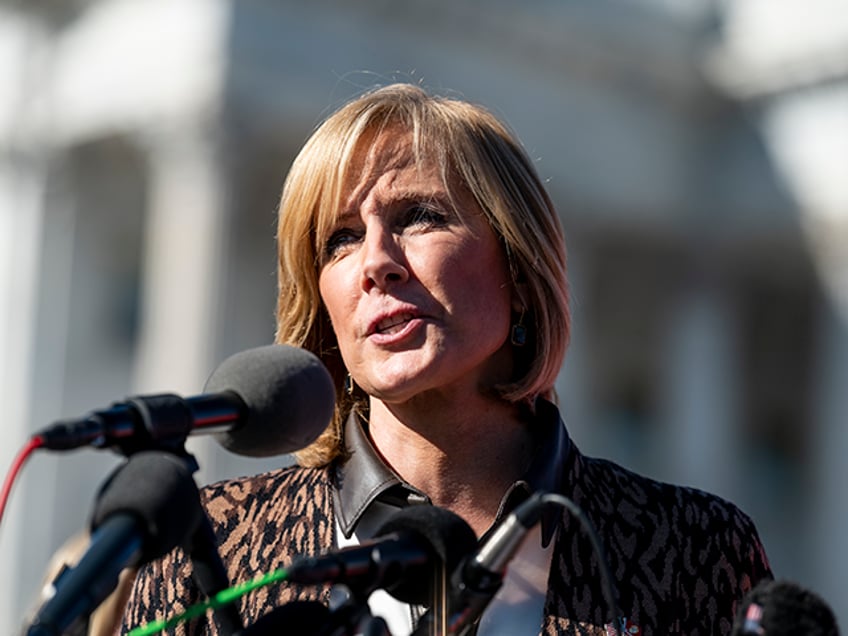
column 295, row 617
column 781, row 608
column 288, row 393
column 158, row 490
column 446, row 534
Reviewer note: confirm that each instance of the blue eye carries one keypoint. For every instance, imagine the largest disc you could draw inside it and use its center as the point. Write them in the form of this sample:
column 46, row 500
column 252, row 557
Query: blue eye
column 338, row 240
column 424, row 215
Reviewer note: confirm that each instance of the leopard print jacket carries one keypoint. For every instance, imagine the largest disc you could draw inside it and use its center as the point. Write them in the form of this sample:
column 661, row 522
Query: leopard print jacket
column 681, row 558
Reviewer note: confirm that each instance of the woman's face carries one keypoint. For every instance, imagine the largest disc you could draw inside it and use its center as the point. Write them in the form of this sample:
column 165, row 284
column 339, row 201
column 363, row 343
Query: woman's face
column 419, row 299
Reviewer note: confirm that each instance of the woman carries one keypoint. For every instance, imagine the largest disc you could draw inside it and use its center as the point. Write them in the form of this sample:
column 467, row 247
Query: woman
column 422, row 260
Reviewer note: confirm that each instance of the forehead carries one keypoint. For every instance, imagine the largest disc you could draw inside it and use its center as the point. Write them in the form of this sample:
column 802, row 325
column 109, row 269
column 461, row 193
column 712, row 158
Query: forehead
column 389, row 166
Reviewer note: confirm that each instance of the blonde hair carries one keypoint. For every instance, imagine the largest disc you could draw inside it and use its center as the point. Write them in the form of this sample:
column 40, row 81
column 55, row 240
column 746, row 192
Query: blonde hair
column 475, row 148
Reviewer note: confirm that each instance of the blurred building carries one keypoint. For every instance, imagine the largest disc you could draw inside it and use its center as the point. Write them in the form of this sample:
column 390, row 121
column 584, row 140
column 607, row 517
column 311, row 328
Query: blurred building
column 697, row 154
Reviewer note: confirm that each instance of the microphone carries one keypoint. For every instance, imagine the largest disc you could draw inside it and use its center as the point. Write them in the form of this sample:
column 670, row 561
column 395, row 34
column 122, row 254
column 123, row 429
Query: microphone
column 145, row 509
column 478, row 578
column 781, row 608
column 408, row 551
column 266, row 401
column 296, row 617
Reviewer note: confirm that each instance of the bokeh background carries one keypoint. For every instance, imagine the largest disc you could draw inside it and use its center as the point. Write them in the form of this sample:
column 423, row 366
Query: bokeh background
column 697, row 151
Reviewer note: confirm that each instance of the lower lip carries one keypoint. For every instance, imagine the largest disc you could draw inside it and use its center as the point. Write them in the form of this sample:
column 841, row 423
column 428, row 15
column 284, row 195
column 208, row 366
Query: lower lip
column 407, row 331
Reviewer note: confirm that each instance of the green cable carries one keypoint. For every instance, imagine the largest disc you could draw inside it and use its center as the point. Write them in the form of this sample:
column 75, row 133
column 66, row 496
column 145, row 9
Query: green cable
column 221, row 598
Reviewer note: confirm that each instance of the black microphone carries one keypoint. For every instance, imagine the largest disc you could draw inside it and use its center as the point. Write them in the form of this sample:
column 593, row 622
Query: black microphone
column 479, row 576
column 296, row 617
column 409, row 550
column 266, row 401
column 781, row 608
column 146, row 508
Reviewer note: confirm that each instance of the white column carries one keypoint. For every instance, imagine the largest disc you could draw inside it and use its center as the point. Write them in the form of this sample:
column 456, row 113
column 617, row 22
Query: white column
column 700, row 396
column 828, row 525
column 807, row 135
column 184, row 261
column 22, row 185
column 21, row 218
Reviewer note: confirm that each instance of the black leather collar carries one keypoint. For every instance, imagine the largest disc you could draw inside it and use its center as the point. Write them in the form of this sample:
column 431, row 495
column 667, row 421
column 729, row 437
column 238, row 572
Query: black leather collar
column 365, row 478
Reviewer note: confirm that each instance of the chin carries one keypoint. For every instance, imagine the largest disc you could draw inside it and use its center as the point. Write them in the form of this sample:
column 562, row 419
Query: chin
column 392, row 394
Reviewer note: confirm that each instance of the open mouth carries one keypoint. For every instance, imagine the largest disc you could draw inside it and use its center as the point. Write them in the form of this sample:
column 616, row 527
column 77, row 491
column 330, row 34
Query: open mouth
column 393, row 324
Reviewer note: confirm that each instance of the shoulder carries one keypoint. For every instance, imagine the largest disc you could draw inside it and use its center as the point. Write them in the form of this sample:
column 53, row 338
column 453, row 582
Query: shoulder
column 686, row 521
column 682, row 557
column 266, row 496
column 634, row 495
column 265, row 484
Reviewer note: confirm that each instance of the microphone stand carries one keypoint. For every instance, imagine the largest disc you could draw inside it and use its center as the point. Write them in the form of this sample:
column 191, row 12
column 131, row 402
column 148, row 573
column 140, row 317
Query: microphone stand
column 208, row 570
column 210, row 575
column 130, row 525
column 352, row 610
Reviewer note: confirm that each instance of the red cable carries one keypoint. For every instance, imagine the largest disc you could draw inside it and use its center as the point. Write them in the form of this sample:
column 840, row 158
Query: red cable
column 34, row 443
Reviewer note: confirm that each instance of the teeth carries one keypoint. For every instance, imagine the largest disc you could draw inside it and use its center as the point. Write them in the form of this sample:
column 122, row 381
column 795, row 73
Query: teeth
column 388, row 323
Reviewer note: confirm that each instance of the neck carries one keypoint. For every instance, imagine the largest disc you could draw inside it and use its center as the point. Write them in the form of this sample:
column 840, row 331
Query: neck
column 464, row 458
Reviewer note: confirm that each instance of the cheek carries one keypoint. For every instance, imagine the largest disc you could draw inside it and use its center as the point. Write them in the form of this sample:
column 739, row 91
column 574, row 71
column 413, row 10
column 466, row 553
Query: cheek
column 330, row 290
column 477, row 281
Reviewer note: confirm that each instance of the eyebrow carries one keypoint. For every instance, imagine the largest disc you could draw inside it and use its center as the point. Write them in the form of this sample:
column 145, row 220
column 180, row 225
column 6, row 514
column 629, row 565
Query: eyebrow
column 405, row 195
column 344, row 215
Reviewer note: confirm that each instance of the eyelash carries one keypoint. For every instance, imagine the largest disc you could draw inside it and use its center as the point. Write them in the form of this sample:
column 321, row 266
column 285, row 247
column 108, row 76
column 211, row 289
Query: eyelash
column 336, row 241
column 415, row 215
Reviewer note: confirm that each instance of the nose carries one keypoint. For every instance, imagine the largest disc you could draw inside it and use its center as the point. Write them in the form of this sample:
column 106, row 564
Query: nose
column 383, row 258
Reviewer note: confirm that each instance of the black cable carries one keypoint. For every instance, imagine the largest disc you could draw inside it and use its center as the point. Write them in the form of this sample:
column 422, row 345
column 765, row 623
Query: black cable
column 607, row 584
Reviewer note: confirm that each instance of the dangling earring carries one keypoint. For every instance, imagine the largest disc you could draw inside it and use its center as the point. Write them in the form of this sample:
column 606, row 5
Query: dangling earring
column 348, row 384
column 518, row 334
